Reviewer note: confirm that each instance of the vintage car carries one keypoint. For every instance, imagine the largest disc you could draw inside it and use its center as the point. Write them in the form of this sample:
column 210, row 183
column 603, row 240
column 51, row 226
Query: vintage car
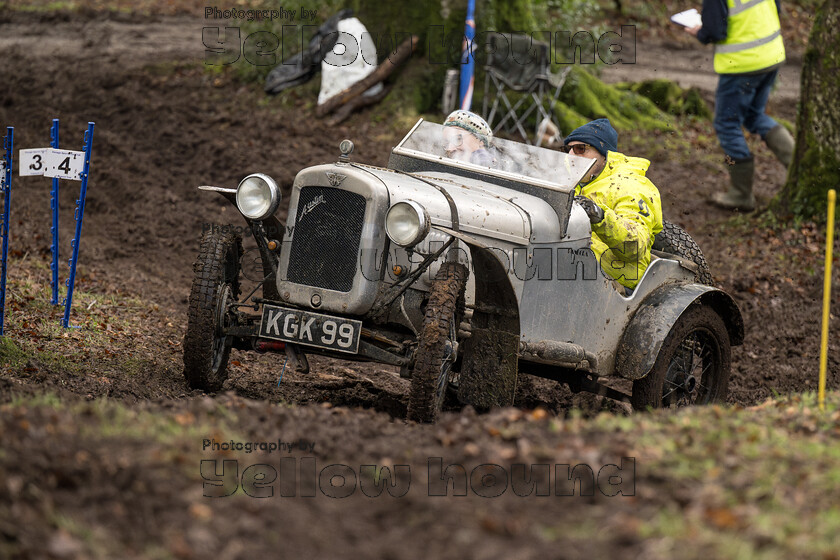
column 463, row 275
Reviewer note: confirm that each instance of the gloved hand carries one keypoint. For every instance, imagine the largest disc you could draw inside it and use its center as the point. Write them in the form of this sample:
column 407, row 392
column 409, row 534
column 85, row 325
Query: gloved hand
column 595, row 213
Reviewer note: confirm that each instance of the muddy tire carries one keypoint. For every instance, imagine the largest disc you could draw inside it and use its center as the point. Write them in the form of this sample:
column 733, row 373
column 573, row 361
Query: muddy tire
column 436, row 345
column 693, row 364
column 675, row 240
column 215, row 283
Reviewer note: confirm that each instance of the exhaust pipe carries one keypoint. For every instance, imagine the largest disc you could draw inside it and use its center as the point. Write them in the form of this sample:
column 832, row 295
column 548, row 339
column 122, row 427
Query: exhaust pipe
column 265, row 345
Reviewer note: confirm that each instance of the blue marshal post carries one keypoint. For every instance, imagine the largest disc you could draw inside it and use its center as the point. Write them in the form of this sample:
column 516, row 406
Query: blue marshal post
column 9, row 145
column 465, row 90
column 54, row 228
column 79, row 216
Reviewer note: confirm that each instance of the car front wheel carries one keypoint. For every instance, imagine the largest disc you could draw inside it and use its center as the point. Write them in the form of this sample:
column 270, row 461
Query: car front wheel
column 437, row 346
column 693, row 364
column 215, row 286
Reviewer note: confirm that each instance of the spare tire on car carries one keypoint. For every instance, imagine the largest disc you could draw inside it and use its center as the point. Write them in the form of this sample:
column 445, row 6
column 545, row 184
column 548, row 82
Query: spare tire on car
column 676, row 241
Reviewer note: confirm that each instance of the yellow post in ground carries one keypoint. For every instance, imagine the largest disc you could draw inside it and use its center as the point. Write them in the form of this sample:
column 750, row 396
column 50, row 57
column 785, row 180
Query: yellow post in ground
column 829, row 243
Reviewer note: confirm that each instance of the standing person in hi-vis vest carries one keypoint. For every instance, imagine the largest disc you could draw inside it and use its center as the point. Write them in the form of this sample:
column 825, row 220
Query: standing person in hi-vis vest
column 748, row 53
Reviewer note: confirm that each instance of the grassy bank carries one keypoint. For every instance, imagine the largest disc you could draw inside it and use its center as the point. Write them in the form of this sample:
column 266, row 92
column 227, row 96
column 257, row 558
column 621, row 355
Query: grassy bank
column 713, row 482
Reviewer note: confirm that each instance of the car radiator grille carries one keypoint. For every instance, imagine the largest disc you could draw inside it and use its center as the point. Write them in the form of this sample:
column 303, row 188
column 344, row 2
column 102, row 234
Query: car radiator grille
column 328, row 230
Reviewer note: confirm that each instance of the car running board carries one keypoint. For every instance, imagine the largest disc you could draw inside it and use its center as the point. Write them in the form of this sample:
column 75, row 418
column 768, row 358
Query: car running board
column 558, row 353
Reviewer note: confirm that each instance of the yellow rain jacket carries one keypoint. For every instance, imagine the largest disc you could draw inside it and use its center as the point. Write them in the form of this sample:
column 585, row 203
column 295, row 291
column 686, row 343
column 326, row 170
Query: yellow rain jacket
column 632, row 217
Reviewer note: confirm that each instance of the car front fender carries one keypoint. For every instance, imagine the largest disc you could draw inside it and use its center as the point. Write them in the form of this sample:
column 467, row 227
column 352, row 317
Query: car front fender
column 644, row 336
column 490, row 365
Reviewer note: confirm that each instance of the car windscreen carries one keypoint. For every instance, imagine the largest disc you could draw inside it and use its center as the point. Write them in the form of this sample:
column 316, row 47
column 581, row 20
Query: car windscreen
column 456, row 147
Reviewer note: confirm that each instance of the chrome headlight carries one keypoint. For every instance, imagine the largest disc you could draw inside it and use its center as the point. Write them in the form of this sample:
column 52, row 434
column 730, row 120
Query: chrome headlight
column 407, row 223
column 257, row 196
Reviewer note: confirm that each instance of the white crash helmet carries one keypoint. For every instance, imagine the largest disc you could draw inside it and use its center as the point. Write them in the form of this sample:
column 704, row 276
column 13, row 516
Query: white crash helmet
column 470, row 122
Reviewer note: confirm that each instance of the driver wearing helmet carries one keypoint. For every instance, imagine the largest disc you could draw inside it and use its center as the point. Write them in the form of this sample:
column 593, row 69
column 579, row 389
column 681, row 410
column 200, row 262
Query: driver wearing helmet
column 467, row 138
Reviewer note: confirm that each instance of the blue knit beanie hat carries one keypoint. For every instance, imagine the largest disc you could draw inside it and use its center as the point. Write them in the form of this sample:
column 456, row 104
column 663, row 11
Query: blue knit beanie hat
column 599, row 134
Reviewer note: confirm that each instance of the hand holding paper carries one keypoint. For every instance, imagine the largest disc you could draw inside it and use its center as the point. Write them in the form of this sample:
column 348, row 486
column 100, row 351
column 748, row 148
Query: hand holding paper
column 688, row 19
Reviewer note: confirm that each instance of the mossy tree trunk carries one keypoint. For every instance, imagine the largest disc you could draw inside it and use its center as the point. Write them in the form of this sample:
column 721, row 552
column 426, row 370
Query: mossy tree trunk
column 816, row 160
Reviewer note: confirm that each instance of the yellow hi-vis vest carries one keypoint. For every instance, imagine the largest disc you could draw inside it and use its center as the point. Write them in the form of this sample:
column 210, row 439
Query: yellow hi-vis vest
column 753, row 39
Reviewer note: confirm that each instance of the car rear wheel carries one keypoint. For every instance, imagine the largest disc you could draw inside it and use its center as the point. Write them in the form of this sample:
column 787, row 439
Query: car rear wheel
column 215, row 286
column 693, row 364
column 437, row 346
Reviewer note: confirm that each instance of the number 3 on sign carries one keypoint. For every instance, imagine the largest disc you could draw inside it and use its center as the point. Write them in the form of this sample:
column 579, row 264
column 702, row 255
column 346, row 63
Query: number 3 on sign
column 64, row 164
column 32, row 161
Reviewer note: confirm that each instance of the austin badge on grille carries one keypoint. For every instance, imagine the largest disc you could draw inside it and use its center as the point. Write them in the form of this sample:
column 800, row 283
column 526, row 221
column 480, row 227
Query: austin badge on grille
column 310, row 206
column 335, row 178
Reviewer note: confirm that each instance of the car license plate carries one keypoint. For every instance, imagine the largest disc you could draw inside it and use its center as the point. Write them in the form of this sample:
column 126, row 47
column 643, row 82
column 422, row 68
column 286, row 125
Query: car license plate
column 310, row 329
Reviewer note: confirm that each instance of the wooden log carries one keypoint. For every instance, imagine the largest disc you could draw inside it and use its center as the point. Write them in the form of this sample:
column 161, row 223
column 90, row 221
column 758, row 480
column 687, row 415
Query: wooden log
column 383, row 71
column 357, row 102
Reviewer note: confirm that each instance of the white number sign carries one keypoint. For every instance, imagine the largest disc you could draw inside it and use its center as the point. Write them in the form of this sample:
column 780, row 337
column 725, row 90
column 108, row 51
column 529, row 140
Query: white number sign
column 31, row 162
column 64, row 164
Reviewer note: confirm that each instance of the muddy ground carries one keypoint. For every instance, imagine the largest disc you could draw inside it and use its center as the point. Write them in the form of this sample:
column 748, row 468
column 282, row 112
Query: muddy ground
column 165, row 125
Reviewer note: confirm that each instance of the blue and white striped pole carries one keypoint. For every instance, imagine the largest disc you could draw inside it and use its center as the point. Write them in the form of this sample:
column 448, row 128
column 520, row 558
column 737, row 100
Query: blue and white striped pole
column 465, row 90
column 9, row 145
column 79, row 216
column 54, row 228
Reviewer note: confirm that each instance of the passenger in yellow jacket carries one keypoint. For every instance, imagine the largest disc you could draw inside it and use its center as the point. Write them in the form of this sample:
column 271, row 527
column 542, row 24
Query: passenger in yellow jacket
column 623, row 205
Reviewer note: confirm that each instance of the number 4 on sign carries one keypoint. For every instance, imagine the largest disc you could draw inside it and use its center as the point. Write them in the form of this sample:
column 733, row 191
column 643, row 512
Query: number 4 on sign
column 64, row 164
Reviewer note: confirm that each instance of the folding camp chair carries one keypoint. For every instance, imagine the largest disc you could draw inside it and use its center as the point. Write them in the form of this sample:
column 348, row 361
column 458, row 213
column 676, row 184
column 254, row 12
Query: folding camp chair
column 519, row 63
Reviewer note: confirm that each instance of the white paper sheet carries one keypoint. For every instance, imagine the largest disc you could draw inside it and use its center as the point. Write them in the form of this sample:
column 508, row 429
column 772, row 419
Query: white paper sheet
column 689, row 18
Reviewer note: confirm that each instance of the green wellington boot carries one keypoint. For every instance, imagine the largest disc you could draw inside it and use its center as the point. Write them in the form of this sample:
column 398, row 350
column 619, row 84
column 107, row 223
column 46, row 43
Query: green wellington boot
column 781, row 144
column 740, row 195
